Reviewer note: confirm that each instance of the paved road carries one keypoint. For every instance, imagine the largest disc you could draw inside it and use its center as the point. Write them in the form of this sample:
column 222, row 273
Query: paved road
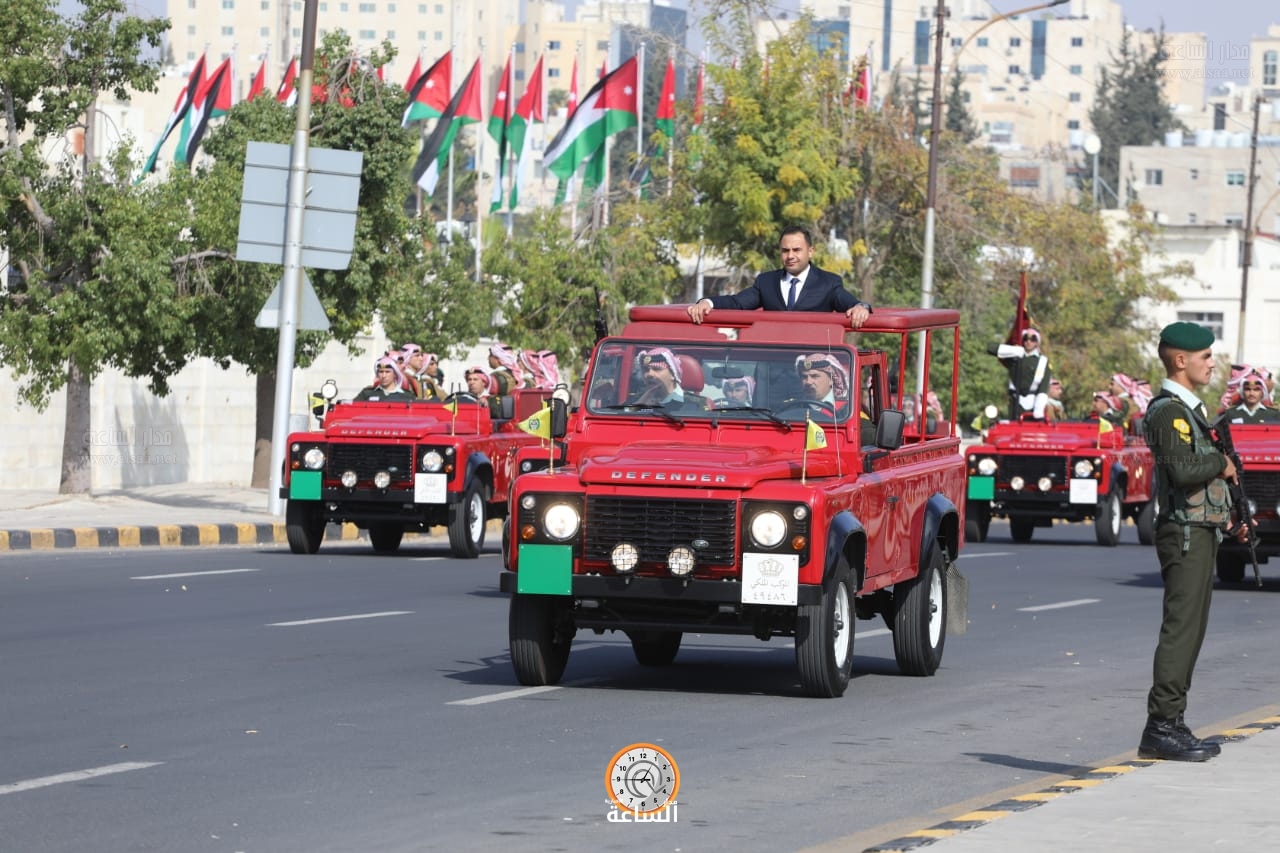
column 242, row 707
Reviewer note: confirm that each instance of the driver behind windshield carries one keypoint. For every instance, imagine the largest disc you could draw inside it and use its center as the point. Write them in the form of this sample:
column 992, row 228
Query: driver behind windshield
column 825, row 381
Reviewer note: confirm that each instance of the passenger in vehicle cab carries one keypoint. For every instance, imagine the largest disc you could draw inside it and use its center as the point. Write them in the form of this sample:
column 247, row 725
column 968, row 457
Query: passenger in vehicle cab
column 387, row 383
column 824, row 380
column 1254, row 401
column 480, row 384
column 412, row 364
column 660, row 375
column 1053, row 408
column 738, row 392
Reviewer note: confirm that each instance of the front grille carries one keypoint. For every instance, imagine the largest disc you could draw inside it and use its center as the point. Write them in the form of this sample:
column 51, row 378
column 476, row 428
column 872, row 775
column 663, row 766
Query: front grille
column 655, row 526
column 1032, row 468
column 1262, row 487
column 368, row 459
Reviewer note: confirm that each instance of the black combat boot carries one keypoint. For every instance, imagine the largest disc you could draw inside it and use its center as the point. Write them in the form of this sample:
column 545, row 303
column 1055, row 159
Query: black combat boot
column 1162, row 739
column 1183, row 729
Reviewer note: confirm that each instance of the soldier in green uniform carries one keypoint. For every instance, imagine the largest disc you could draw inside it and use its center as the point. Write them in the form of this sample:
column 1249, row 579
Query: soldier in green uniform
column 1195, row 507
column 1029, row 374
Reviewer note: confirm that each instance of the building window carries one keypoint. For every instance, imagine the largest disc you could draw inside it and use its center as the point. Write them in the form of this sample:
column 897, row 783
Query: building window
column 422, row 8
column 1074, row 97
column 1073, row 124
column 1077, row 41
column 1191, row 219
column 265, row 5
column 228, row 31
column 1076, row 70
column 1210, row 319
column 1024, row 176
column 1235, row 177
column 1236, row 219
column 602, row 45
column 553, row 72
column 553, row 45
column 191, row 29
column 265, row 32
column 1014, row 41
column 391, row 35
column 324, row 7
column 1001, row 133
column 439, row 8
column 1269, row 68
column 228, row 4
column 982, row 41
column 368, row 8
column 1195, row 174
column 1015, row 69
column 422, row 35
column 391, row 8
column 955, row 42
column 1153, row 177
column 368, row 34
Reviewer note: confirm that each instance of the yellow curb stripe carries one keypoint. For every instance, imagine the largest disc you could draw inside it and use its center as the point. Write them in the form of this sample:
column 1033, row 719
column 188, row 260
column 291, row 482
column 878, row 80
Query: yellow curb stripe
column 350, row 531
column 1247, row 731
column 41, row 539
column 1039, row 797
column 932, row 833
column 170, row 534
column 129, row 537
column 982, row 815
column 4, row 540
column 207, row 534
column 246, row 534
column 86, row 537
column 1269, row 721
column 1080, row 783
column 1115, row 768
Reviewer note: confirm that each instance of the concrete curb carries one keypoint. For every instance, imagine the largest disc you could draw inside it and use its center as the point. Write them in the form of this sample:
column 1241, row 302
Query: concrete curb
column 178, row 535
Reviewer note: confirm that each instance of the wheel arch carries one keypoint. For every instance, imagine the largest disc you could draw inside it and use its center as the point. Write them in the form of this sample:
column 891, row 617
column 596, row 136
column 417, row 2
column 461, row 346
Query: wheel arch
column 479, row 467
column 847, row 545
column 942, row 525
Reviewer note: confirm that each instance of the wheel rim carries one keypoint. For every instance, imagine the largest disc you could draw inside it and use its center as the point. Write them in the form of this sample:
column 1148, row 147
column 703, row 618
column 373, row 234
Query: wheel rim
column 841, row 625
column 935, row 609
column 1115, row 515
column 475, row 517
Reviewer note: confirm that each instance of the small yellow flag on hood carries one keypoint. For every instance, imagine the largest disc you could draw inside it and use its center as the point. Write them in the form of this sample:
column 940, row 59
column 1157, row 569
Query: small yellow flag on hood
column 815, row 438
column 1104, row 426
column 539, row 423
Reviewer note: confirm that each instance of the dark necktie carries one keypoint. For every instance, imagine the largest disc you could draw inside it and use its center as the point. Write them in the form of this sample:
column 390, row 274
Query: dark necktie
column 791, row 295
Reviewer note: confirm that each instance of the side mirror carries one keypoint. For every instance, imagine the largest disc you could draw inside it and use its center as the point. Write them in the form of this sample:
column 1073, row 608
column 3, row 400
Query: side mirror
column 889, row 429
column 559, row 416
column 329, row 390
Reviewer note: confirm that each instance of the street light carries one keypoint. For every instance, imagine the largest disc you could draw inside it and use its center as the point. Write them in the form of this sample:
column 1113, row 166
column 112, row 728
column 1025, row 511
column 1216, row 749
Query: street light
column 1092, row 145
column 935, row 132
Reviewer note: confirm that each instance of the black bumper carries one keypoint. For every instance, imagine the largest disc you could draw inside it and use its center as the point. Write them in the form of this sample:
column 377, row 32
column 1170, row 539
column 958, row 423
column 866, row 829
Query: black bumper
column 661, row 589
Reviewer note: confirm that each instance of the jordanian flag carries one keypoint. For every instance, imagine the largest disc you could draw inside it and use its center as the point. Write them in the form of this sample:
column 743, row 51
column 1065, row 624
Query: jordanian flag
column 259, row 84
column 499, row 122
column 610, row 106
column 463, row 108
column 530, row 109
column 429, row 91
column 202, row 109
column 287, row 93
column 180, row 107
column 666, row 118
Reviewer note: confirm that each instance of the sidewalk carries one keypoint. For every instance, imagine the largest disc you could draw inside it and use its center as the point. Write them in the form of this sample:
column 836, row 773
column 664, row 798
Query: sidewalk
column 1134, row 805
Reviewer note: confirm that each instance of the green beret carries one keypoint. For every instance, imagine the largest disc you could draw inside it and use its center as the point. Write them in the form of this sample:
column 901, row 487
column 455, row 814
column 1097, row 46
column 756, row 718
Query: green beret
column 1186, row 336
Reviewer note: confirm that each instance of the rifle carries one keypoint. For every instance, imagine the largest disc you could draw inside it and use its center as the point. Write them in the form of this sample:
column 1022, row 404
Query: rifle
column 1244, row 511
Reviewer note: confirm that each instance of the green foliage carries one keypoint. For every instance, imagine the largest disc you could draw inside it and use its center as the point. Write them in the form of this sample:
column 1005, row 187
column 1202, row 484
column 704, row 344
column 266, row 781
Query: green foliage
column 958, row 121
column 1129, row 108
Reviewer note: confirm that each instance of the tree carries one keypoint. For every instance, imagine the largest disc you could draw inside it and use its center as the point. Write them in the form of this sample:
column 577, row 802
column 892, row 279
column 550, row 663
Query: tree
column 958, row 120
column 90, row 292
column 1130, row 108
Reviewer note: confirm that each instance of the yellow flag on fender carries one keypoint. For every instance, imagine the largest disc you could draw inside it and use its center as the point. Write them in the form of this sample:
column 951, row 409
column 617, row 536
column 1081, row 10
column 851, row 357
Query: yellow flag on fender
column 815, row 438
column 1104, row 426
column 539, row 423
column 451, row 407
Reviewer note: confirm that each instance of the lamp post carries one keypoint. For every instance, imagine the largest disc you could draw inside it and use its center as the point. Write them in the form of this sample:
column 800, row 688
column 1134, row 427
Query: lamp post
column 1092, row 145
column 935, row 131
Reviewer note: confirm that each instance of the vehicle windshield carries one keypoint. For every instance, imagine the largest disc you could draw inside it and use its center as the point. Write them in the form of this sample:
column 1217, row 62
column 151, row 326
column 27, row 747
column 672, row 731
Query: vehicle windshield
column 743, row 382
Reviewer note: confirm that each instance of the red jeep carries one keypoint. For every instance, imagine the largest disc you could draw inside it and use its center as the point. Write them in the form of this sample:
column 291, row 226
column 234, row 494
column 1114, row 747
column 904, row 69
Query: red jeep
column 394, row 466
column 1032, row 472
column 1259, row 448
column 780, row 516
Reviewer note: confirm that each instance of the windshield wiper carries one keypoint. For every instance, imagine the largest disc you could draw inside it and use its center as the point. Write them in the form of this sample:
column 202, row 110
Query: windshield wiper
column 768, row 413
column 657, row 408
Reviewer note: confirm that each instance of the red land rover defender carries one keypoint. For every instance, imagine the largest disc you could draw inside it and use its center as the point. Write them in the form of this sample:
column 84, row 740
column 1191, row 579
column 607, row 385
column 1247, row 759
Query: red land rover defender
column 392, row 467
column 1259, row 448
column 783, row 515
column 1032, row 472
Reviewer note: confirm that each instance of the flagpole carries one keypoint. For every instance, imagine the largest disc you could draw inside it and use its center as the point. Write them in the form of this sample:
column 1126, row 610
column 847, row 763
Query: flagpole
column 475, row 162
column 639, row 111
column 448, row 205
column 504, row 156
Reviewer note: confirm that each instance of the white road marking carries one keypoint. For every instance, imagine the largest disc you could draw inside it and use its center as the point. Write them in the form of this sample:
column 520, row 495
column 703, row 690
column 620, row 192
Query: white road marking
column 986, row 554
column 874, row 632
column 76, row 776
column 1059, row 605
column 190, row 574
column 338, row 618
column 510, row 694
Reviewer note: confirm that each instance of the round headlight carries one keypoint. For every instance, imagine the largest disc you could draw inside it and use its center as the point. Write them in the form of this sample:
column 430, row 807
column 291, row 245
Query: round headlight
column 624, row 557
column 560, row 521
column 349, row 479
column 381, row 479
column 1045, row 483
column 432, row 461
column 1083, row 468
column 768, row 528
column 680, row 561
column 313, row 459
column 800, row 512
column 987, row 466
column 1016, row 483
column 526, row 466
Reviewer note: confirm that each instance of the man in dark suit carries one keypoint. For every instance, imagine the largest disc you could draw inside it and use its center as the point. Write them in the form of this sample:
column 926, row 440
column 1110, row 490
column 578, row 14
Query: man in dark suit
column 798, row 286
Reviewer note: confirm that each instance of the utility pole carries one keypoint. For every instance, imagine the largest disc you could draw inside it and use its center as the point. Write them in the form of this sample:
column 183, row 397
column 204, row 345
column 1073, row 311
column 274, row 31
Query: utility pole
column 1246, row 255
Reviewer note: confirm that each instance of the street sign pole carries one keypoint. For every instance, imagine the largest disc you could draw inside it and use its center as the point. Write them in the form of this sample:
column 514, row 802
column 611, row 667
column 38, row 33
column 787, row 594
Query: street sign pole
column 291, row 282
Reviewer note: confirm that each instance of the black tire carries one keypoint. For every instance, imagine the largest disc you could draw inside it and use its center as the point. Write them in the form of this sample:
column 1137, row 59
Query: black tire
column 655, row 648
column 304, row 526
column 1146, row 523
column 920, row 618
column 824, row 639
column 1230, row 567
column 1106, row 522
column 538, row 654
column 385, row 538
column 466, row 523
column 977, row 521
column 1020, row 529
